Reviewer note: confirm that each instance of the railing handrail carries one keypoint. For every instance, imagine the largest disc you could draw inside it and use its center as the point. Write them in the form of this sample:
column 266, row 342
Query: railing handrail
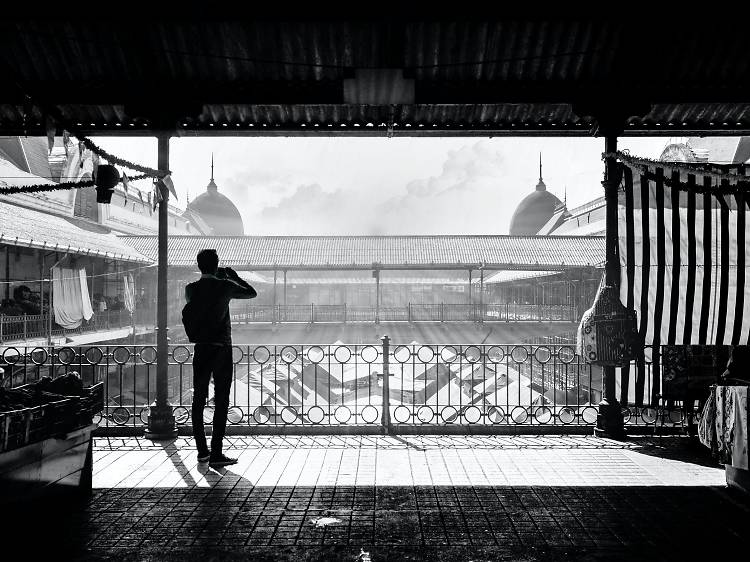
column 560, row 387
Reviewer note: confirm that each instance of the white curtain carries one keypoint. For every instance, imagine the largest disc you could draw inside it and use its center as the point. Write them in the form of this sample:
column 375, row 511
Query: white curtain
column 129, row 291
column 70, row 297
column 88, row 311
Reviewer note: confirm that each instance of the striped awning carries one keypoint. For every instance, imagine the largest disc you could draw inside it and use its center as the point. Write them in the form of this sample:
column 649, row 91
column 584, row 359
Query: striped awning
column 684, row 252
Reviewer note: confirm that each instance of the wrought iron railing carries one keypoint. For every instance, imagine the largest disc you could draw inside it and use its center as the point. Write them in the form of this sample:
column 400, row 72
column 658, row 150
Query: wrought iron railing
column 343, row 385
column 441, row 312
column 29, row 326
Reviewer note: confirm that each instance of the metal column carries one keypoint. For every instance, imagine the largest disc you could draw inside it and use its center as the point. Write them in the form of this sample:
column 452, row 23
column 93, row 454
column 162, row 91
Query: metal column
column 161, row 422
column 481, row 294
column 275, row 319
column 376, row 275
column 609, row 422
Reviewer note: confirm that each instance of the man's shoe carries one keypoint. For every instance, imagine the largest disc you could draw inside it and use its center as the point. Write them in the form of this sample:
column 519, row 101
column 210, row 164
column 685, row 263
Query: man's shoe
column 221, row 460
column 203, row 457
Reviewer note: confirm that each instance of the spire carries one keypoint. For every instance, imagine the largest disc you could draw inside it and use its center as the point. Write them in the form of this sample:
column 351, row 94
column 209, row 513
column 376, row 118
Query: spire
column 565, row 196
column 212, row 165
column 540, row 165
column 211, row 184
column 540, row 186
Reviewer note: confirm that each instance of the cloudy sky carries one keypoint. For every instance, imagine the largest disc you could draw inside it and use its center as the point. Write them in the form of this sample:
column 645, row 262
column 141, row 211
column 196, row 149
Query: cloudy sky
column 288, row 186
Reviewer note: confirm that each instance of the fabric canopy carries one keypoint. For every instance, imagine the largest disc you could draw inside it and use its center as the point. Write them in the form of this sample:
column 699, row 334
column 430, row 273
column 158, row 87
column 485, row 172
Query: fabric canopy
column 684, row 252
column 70, row 297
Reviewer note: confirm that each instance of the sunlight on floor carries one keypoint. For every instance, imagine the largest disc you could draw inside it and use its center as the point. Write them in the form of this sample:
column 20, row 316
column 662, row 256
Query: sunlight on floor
column 404, row 461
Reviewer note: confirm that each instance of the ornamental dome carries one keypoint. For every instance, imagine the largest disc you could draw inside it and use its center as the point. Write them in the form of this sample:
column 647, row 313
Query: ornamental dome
column 535, row 210
column 216, row 210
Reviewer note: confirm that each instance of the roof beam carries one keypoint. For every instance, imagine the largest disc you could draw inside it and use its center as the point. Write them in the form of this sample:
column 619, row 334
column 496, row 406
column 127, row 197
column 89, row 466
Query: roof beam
column 324, row 92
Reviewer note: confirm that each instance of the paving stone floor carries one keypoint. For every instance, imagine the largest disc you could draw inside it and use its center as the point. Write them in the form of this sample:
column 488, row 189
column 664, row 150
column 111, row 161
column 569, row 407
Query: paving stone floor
column 365, row 498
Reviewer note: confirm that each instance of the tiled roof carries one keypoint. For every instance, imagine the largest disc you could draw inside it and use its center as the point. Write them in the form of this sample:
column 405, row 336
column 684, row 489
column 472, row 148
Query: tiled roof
column 20, row 226
column 389, row 252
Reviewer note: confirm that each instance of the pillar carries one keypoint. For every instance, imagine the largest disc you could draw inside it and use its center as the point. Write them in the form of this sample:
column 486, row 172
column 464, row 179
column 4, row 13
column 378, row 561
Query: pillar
column 481, row 295
column 7, row 272
column 161, row 422
column 274, row 297
column 609, row 422
column 376, row 275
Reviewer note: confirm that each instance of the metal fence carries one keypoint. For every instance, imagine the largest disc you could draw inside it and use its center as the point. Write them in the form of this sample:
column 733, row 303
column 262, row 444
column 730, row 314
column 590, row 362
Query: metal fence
column 353, row 385
column 28, row 326
column 441, row 312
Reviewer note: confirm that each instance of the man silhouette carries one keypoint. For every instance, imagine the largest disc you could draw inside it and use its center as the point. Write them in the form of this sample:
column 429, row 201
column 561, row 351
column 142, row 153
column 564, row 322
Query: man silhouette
column 211, row 331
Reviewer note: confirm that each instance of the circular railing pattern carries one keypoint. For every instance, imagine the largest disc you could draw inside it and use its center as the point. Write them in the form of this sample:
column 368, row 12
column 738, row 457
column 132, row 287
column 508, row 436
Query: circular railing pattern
column 429, row 384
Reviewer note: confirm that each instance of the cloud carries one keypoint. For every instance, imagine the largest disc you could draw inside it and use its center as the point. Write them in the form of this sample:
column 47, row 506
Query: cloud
column 449, row 202
column 311, row 210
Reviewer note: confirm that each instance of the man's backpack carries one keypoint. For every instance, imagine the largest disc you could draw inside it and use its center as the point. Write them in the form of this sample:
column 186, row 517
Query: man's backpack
column 191, row 320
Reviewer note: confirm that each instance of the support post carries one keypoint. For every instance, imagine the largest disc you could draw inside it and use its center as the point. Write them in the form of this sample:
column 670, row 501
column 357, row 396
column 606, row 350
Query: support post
column 609, row 421
column 386, row 414
column 481, row 295
column 285, row 309
column 376, row 275
column 274, row 296
column 161, row 422
column 41, row 287
column 7, row 272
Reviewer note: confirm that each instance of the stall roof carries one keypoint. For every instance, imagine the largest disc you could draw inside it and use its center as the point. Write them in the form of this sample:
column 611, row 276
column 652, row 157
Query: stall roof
column 20, row 226
column 266, row 253
column 232, row 73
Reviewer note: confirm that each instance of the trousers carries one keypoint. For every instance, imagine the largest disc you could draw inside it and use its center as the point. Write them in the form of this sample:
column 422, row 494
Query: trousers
column 210, row 360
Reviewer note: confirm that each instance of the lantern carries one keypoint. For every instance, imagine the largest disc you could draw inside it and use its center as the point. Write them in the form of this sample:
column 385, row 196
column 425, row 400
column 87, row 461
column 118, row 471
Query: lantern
column 106, row 179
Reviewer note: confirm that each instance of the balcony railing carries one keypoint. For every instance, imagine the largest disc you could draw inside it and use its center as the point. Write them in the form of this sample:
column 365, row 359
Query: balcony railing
column 29, row 326
column 441, row 312
column 355, row 385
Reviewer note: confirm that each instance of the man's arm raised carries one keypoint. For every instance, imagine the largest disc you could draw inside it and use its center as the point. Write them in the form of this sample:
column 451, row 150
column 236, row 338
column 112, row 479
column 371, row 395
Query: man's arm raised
column 241, row 289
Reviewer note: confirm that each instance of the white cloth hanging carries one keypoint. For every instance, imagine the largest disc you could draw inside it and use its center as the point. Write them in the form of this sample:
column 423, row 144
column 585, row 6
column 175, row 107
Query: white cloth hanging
column 88, row 311
column 70, row 297
column 129, row 290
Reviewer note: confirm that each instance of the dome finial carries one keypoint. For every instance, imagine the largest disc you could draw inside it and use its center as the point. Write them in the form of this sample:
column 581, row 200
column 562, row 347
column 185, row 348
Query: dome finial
column 540, row 186
column 211, row 185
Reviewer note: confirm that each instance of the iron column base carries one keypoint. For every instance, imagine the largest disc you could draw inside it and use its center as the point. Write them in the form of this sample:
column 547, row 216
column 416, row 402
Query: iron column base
column 161, row 423
column 609, row 422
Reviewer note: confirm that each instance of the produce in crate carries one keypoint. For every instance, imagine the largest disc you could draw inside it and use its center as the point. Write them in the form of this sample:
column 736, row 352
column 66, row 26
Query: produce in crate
column 46, row 407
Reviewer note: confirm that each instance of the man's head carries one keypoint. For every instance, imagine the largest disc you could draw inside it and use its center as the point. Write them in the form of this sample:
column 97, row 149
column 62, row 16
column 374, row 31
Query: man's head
column 208, row 261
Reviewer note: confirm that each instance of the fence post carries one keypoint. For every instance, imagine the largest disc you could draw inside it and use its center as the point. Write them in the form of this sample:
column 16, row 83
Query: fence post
column 2, row 321
column 408, row 312
column 344, row 313
column 442, row 311
column 312, row 313
column 386, row 417
column 24, row 326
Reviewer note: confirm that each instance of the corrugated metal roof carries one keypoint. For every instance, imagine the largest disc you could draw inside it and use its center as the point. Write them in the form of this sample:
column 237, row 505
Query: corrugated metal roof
column 517, row 75
column 20, row 226
column 388, row 252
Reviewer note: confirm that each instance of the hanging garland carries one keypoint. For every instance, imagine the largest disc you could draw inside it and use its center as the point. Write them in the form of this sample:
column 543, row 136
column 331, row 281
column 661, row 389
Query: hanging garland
column 732, row 173
column 145, row 170
column 37, row 188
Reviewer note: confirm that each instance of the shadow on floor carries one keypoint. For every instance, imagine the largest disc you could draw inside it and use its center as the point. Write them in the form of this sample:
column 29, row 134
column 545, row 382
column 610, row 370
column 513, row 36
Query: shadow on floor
column 684, row 449
column 234, row 520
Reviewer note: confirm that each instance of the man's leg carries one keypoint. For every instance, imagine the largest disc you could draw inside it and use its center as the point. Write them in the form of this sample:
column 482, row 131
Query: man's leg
column 202, row 363
column 222, row 368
